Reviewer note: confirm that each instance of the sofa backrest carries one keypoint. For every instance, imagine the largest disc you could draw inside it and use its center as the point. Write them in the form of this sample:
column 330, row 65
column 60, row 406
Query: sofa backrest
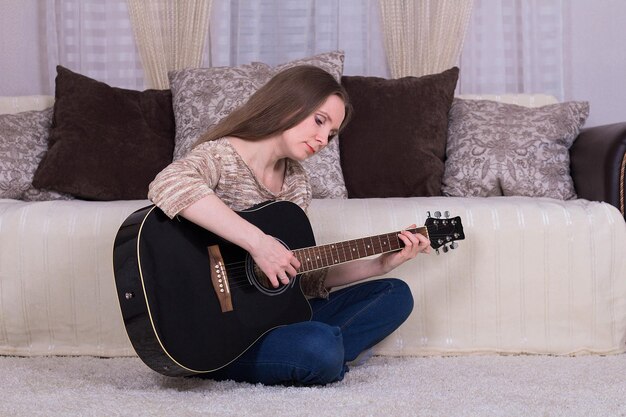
column 526, row 100
column 11, row 105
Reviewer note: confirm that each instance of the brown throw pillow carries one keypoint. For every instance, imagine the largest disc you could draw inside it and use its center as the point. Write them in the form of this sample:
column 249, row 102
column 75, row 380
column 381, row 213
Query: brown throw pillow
column 106, row 143
column 395, row 144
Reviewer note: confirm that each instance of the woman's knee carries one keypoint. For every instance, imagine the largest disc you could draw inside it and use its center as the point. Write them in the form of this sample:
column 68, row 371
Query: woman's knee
column 323, row 351
column 400, row 297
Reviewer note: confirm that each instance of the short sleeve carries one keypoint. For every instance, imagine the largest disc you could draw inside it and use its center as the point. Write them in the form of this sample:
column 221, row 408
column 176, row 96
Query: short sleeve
column 186, row 180
column 313, row 283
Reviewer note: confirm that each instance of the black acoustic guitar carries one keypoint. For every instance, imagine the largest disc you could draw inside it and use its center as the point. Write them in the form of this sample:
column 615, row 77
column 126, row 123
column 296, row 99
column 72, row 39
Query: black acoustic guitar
column 193, row 302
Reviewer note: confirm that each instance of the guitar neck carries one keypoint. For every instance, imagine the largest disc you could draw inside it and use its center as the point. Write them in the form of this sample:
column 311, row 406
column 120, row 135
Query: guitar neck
column 323, row 256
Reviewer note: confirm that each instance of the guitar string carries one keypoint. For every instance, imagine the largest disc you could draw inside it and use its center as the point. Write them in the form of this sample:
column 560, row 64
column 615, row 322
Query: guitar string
column 236, row 278
column 326, row 253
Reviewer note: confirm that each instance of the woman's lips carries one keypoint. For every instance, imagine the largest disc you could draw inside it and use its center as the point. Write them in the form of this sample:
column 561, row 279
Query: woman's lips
column 310, row 148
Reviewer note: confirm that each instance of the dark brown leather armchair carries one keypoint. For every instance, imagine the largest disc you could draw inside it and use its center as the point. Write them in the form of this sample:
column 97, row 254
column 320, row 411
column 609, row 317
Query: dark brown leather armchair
column 598, row 164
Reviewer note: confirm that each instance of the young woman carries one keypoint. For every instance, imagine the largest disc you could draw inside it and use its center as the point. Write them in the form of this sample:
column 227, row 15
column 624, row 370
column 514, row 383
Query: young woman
column 253, row 156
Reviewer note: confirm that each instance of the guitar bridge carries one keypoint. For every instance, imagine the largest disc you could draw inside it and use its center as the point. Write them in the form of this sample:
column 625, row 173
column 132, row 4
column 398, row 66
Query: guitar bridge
column 219, row 278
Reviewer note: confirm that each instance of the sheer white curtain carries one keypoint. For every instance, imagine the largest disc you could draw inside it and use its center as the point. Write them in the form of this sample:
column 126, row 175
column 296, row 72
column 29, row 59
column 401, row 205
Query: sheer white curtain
column 170, row 35
column 510, row 46
column 514, row 46
column 423, row 36
column 94, row 38
column 276, row 31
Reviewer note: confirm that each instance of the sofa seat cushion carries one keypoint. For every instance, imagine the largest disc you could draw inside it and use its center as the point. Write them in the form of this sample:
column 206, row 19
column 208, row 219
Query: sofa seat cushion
column 533, row 275
column 57, row 293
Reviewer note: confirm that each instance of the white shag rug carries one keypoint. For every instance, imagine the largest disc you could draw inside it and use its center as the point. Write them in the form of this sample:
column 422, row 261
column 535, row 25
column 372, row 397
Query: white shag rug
column 383, row 386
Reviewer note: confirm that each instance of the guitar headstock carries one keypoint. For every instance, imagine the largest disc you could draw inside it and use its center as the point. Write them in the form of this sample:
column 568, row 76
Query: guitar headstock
column 443, row 232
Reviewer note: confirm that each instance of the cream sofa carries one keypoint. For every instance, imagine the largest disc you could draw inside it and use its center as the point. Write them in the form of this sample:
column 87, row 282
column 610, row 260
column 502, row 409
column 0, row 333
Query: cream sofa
column 534, row 275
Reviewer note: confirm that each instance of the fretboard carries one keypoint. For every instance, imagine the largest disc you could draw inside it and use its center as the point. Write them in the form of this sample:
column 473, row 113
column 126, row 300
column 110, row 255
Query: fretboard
column 323, row 256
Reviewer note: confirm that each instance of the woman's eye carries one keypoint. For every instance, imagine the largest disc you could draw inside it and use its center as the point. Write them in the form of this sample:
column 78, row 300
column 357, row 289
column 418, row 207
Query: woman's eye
column 319, row 120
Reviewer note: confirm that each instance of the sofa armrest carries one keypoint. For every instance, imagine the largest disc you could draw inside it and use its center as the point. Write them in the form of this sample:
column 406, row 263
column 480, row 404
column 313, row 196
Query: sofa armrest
column 598, row 164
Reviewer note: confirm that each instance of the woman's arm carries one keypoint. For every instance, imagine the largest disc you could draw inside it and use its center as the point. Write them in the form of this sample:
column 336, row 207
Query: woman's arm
column 186, row 188
column 274, row 259
column 359, row 270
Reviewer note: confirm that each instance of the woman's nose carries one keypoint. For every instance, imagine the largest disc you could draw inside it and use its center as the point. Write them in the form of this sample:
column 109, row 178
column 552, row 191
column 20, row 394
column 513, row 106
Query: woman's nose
column 322, row 136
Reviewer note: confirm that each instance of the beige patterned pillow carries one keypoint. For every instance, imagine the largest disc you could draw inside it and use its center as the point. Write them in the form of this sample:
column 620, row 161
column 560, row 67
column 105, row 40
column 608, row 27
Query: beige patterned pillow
column 503, row 149
column 201, row 97
column 23, row 142
column 324, row 172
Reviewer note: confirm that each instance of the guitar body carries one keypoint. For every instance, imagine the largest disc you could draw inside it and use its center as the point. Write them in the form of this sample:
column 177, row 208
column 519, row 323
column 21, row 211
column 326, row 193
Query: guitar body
column 170, row 304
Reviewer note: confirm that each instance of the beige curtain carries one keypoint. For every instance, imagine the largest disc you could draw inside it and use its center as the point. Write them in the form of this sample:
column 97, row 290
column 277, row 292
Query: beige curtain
column 170, row 35
column 423, row 36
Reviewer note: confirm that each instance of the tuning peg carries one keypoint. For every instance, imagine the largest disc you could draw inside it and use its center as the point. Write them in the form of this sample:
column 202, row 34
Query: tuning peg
column 437, row 251
column 454, row 245
column 437, row 214
column 445, row 249
column 446, row 214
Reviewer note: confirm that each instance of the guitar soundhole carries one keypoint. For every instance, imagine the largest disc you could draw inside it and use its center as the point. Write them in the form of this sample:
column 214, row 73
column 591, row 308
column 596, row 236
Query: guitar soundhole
column 261, row 278
column 261, row 281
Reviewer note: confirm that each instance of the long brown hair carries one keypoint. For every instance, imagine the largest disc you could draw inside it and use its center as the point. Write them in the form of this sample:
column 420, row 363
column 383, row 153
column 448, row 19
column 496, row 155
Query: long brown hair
column 287, row 99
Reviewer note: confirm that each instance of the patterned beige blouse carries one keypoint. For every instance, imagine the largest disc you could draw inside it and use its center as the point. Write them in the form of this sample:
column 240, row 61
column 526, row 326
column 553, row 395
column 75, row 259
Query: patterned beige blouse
column 215, row 167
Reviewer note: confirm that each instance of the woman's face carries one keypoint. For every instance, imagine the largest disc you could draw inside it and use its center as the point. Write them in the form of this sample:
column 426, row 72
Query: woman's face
column 313, row 133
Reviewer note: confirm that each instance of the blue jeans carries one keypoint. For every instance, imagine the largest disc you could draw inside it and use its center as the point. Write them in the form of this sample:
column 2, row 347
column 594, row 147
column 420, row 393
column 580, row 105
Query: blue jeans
column 349, row 322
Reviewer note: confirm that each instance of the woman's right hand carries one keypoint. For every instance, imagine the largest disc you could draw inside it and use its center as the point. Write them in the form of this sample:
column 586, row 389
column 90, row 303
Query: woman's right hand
column 278, row 263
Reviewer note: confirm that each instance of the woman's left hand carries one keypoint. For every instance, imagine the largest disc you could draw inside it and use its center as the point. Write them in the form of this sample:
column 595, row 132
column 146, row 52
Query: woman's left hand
column 413, row 244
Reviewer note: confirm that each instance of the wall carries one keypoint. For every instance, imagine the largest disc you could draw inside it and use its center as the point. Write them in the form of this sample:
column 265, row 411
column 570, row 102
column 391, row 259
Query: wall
column 596, row 59
column 595, row 55
column 21, row 57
